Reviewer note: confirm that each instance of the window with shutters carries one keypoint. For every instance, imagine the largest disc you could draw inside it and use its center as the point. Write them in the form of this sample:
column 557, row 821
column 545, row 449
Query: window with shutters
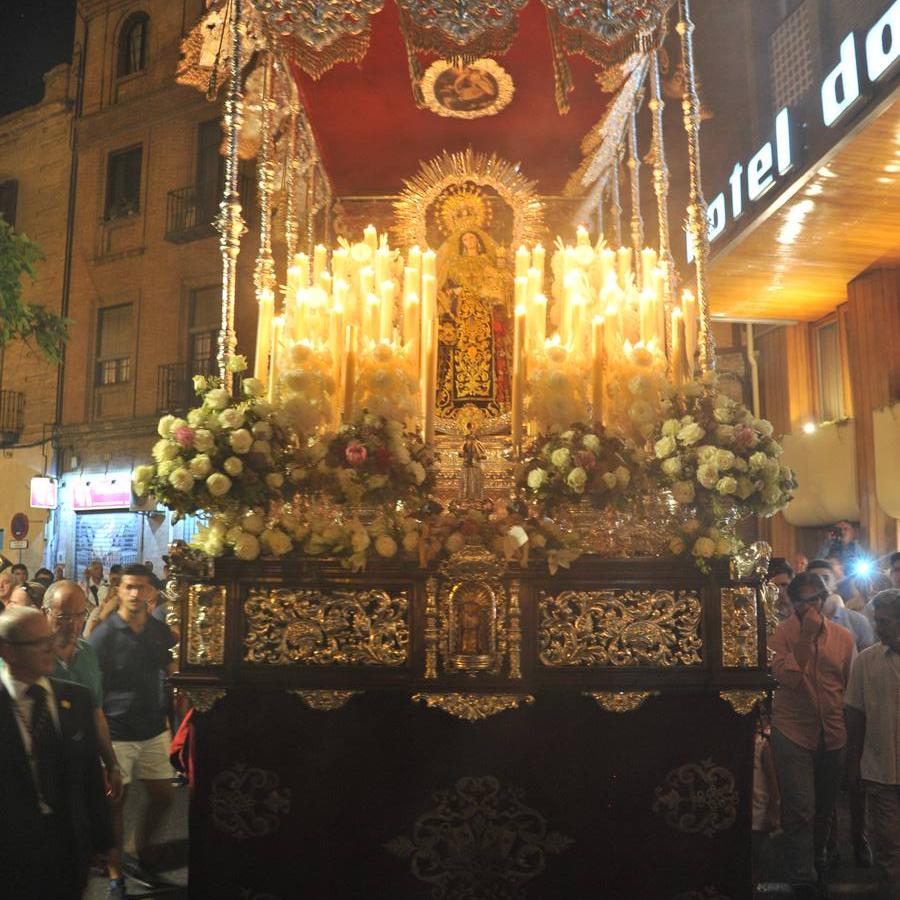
column 204, row 329
column 829, row 371
column 115, row 340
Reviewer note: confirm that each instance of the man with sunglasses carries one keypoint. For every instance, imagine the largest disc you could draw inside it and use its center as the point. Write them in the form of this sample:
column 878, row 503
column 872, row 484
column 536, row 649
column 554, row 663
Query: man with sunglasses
column 812, row 662
column 66, row 608
column 51, row 784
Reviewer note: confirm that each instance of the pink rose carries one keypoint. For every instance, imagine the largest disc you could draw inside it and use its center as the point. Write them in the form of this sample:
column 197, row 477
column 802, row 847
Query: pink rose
column 184, row 435
column 585, row 459
column 744, row 436
column 355, row 454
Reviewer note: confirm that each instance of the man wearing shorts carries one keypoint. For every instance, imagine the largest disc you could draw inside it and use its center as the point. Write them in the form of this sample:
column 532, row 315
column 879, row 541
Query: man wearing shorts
column 133, row 650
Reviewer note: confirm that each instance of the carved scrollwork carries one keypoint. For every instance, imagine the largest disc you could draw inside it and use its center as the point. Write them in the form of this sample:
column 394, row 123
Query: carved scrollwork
column 621, row 701
column 739, row 637
column 752, row 560
column 620, row 628
column 206, row 624
column 742, row 702
column 698, row 798
column 338, row 627
column 480, row 840
column 473, row 707
column 325, row 700
column 201, row 699
column 248, row 802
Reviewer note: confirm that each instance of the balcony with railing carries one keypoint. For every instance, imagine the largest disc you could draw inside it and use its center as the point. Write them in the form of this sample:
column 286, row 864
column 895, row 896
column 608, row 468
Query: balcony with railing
column 175, row 385
column 12, row 417
column 191, row 210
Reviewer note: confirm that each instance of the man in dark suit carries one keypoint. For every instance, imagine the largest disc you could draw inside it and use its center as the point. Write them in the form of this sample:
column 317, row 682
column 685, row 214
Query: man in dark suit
column 52, row 792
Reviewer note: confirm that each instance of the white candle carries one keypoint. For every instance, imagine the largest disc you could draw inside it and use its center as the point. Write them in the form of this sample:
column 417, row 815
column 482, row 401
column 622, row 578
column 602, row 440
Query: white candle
column 336, row 346
column 320, row 261
column 348, row 374
column 597, row 368
column 523, row 259
column 537, row 316
column 607, row 265
column 414, row 261
column 366, row 281
column 386, row 327
column 623, row 265
column 575, row 329
column 411, row 329
column 648, row 315
column 538, row 255
column 534, row 283
column 430, row 396
column 676, row 362
column 370, row 236
column 373, row 318
column 301, row 262
column 263, row 333
column 582, row 238
column 648, row 264
column 429, row 296
column 410, row 281
column 382, row 265
column 429, row 263
column 340, row 259
column 689, row 310
column 275, row 357
column 518, row 378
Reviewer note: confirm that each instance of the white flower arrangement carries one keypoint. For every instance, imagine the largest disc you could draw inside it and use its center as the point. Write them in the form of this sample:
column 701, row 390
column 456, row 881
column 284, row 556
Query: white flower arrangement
column 307, row 389
column 557, row 389
column 386, row 385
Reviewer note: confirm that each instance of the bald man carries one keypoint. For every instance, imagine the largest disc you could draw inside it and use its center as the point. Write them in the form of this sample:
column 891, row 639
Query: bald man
column 66, row 608
column 51, row 785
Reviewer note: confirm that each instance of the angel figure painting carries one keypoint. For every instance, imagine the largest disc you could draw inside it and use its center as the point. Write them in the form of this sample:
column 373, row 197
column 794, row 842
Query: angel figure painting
column 474, row 334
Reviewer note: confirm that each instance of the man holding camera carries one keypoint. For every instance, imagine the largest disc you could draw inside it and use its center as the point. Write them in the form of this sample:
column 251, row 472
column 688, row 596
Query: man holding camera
column 841, row 544
column 812, row 662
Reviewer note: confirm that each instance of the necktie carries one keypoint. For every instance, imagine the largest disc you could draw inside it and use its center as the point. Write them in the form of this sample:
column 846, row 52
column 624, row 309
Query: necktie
column 45, row 749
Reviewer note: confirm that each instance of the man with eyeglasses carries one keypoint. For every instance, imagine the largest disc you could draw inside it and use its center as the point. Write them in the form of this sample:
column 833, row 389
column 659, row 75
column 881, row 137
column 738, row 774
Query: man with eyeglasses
column 65, row 606
column 812, row 661
column 51, row 784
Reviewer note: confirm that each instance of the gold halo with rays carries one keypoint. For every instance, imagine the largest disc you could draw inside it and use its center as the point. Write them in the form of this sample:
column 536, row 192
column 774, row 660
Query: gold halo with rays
column 462, row 206
column 456, row 171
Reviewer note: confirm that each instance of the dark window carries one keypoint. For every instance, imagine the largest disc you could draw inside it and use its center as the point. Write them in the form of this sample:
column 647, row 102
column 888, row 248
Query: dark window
column 123, row 183
column 204, row 329
column 114, row 345
column 210, row 169
column 9, row 193
column 133, row 45
column 829, row 372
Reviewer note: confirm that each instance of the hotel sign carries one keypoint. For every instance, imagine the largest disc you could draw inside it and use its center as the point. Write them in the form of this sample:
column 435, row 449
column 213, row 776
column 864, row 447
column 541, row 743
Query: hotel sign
column 840, row 92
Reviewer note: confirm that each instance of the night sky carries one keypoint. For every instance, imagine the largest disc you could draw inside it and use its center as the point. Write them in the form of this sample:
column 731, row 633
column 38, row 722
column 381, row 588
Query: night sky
column 35, row 35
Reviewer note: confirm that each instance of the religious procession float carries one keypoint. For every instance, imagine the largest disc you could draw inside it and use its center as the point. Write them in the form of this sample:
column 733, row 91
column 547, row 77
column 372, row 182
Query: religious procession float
column 469, row 615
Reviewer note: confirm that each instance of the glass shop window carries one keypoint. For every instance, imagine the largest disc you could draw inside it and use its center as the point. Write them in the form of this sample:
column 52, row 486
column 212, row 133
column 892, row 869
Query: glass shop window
column 829, row 371
column 204, row 329
column 115, row 340
column 132, row 51
column 9, row 195
column 123, row 183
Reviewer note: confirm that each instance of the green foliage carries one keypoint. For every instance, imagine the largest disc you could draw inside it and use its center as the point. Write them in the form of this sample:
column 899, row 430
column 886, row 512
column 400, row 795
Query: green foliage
column 29, row 322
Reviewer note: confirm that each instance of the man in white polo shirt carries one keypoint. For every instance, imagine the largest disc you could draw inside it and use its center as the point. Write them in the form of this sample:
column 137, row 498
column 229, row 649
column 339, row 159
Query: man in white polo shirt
column 872, row 710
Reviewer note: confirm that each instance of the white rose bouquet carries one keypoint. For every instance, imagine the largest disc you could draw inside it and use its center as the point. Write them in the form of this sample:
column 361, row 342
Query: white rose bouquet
column 580, row 462
column 226, row 455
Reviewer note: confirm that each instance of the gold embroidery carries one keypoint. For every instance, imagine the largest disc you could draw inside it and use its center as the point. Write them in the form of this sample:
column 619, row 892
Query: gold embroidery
column 698, row 798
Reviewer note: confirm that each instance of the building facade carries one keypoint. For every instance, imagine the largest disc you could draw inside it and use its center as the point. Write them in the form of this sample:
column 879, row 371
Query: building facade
column 145, row 272
column 35, row 170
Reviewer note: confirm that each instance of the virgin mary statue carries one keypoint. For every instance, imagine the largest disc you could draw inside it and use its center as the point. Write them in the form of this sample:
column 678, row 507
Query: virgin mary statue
column 475, row 334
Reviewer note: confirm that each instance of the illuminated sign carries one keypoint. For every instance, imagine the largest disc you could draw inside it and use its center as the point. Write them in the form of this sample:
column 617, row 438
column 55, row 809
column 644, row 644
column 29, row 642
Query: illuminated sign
column 102, row 492
column 840, row 92
column 44, row 493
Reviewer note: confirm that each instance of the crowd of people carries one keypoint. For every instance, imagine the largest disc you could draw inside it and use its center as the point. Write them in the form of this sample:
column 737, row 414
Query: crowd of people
column 835, row 716
column 84, row 712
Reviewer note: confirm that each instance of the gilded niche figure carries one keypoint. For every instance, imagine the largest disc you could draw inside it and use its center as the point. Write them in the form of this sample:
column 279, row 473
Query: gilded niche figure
column 471, row 478
column 474, row 339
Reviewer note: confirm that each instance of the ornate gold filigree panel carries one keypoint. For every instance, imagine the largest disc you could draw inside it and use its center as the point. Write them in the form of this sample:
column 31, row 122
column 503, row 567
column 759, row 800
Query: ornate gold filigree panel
column 698, row 798
column 480, row 840
column 471, row 618
column 739, row 637
column 752, row 560
column 620, row 628
column 325, row 700
column 621, row 701
column 473, row 707
column 201, row 699
column 338, row 627
column 206, row 624
column 248, row 802
column 742, row 702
